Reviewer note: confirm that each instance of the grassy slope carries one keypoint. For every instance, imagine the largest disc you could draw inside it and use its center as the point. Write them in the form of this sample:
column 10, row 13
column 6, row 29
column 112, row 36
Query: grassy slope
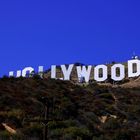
column 87, row 112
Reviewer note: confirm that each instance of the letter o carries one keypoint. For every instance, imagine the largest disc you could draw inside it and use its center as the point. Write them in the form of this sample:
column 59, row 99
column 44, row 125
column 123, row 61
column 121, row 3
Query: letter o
column 25, row 70
column 114, row 70
column 96, row 73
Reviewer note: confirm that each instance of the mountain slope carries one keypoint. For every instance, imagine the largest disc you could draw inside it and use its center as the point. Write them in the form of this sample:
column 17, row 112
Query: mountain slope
column 84, row 112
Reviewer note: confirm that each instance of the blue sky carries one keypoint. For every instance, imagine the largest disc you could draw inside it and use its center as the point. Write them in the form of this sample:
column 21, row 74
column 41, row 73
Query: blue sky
column 42, row 32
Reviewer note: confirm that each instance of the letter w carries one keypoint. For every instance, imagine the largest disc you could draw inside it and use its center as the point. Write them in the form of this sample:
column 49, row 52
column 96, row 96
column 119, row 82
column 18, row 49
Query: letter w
column 84, row 72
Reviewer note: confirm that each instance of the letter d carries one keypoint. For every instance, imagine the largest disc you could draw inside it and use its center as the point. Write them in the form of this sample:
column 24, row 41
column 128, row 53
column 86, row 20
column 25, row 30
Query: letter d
column 131, row 71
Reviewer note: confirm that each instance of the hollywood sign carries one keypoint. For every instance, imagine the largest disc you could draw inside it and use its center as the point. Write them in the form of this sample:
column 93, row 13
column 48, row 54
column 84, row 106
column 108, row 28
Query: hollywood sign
column 133, row 70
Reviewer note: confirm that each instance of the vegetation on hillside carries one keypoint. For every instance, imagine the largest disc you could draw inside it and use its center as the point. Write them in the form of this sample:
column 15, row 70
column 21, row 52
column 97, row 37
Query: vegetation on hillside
column 76, row 112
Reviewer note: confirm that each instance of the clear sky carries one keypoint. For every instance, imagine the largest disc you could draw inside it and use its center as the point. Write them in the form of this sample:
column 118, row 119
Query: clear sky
column 46, row 32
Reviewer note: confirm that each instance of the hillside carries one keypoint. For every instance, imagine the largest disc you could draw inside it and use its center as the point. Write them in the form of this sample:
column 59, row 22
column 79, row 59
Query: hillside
column 76, row 112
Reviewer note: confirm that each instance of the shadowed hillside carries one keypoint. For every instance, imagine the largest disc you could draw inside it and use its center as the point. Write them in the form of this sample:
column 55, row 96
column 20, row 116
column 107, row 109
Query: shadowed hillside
column 76, row 112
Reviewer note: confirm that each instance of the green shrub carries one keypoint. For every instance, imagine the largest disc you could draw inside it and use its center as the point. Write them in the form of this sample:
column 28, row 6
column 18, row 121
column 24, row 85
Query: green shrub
column 77, row 131
column 111, row 124
column 35, row 130
column 4, row 135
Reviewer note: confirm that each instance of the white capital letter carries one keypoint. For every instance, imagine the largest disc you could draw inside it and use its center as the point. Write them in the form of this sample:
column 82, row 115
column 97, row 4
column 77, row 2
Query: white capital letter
column 40, row 69
column 104, row 73
column 114, row 72
column 67, row 71
column 131, row 72
column 53, row 72
column 25, row 70
column 11, row 73
column 84, row 72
